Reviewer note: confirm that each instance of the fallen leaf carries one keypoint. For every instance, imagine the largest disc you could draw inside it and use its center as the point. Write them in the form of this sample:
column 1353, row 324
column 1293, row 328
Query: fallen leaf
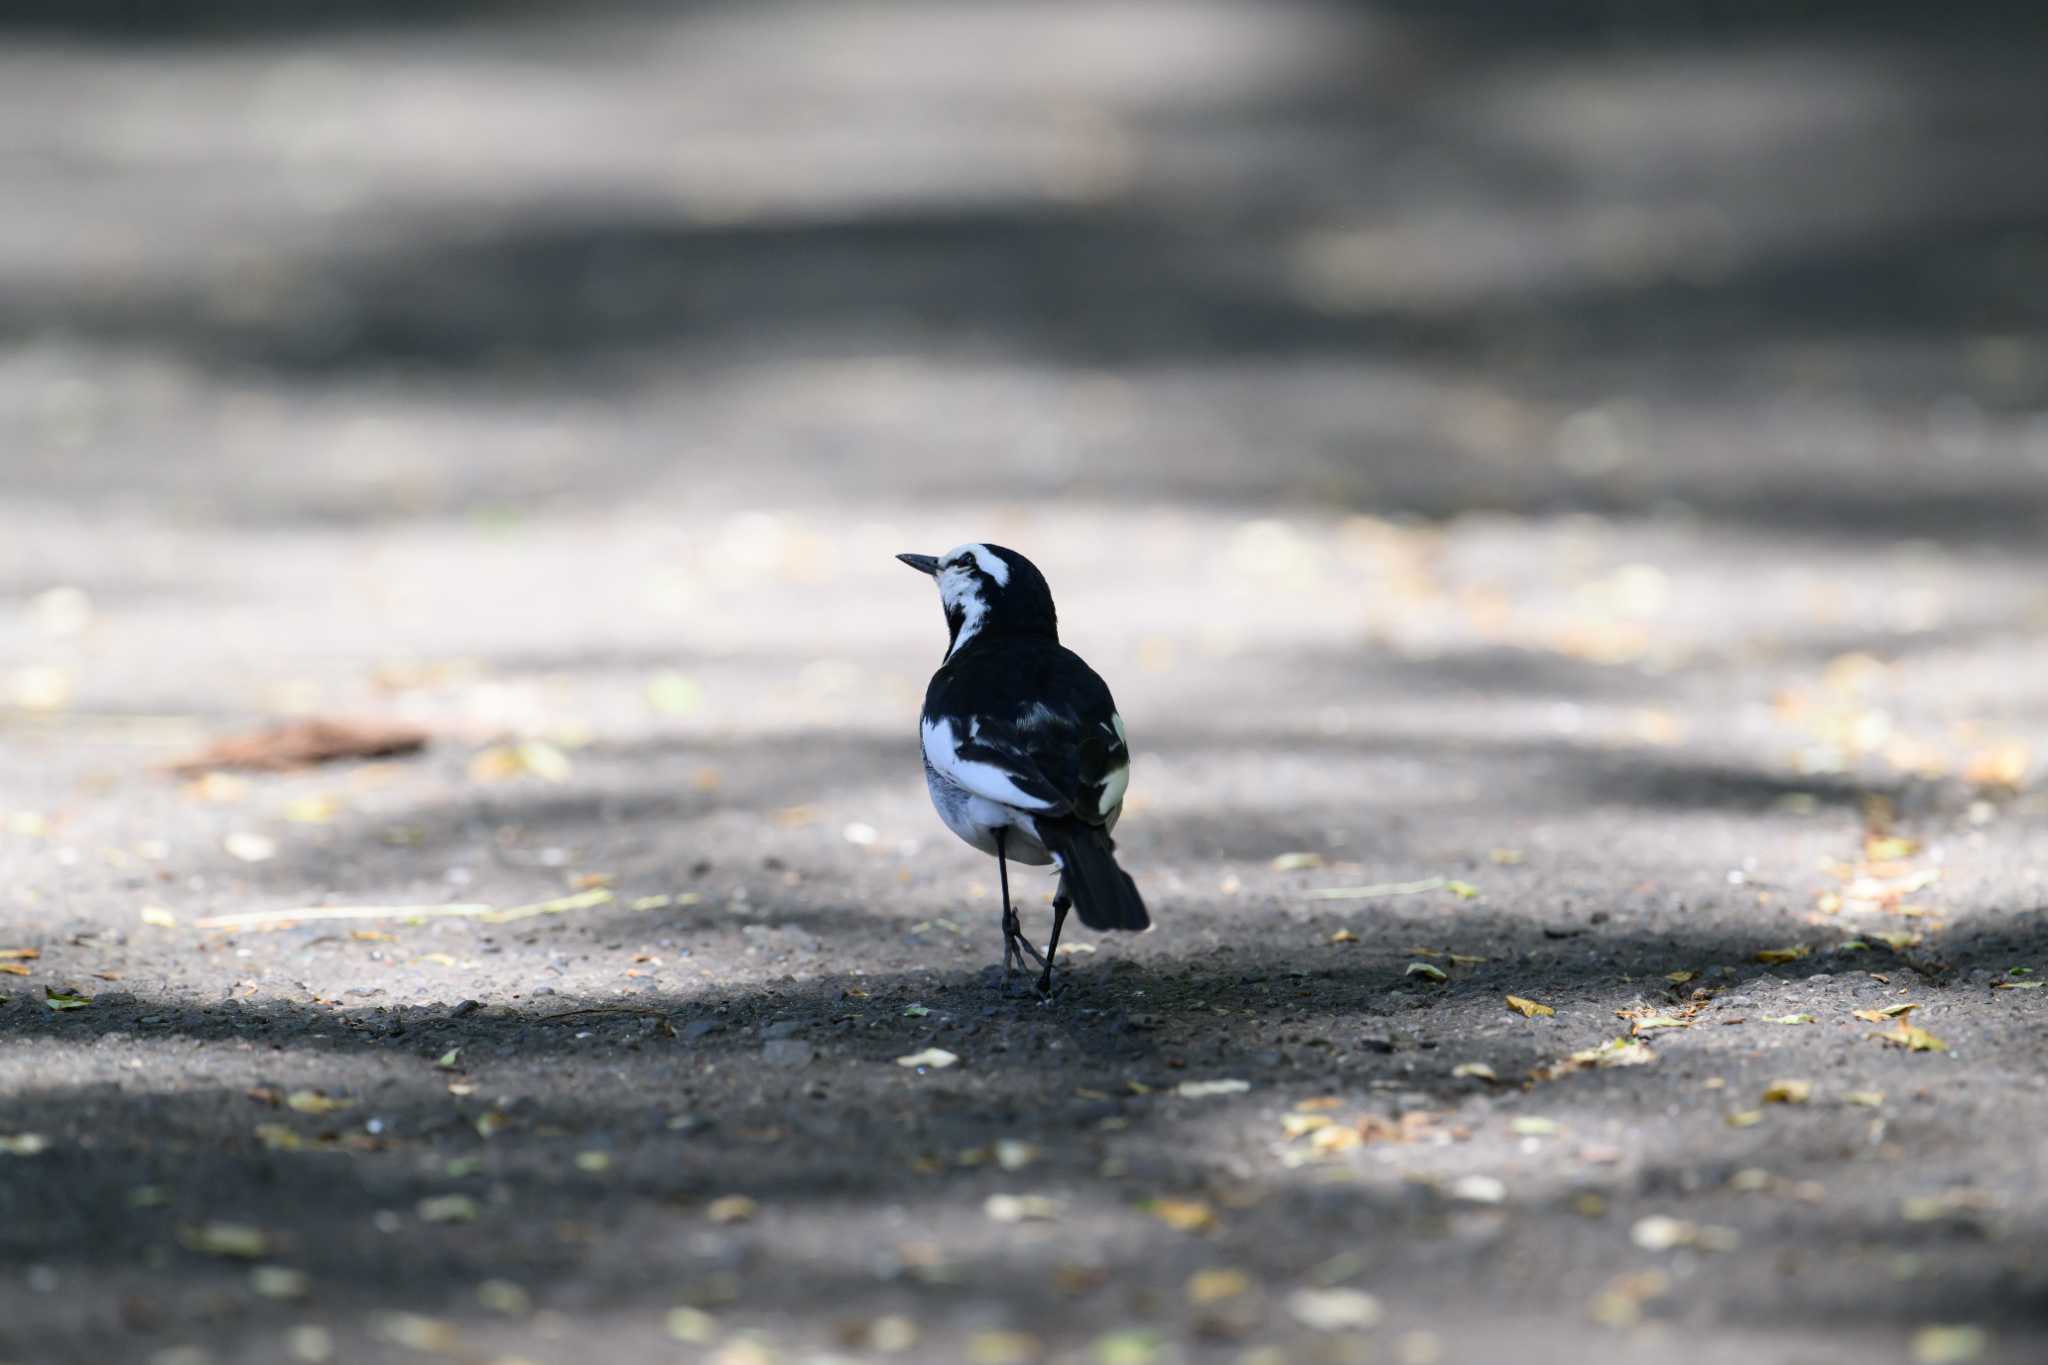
column 279, row 1137
column 1878, row 1016
column 506, row 1297
column 1003, row 1348
column 1945, row 1345
column 1183, row 1215
column 1426, row 972
column 1528, row 1009
column 312, row 810
column 1478, row 1071
column 20, row 954
column 64, row 1000
column 1788, row 1092
column 1127, row 1346
column 1020, row 1208
column 449, row 1060
column 1869, row 1099
column 1464, row 891
column 1464, row 959
column 593, row 1163
column 582, row 900
column 1201, row 1090
column 1213, row 1286
column 13, row 969
column 1790, row 1019
column 731, row 1208
column 447, row 1208
column 279, row 1282
column 1334, row 1310
column 1898, row 940
column 1658, row 1021
column 2018, row 985
column 24, row 1144
column 1343, row 936
column 316, row 1102
column 226, row 1239
column 693, row 1325
column 1745, row 1118
column 1679, row 978
column 1532, row 1125
column 1297, row 862
column 302, row 744
column 429, row 1336
column 937, row 1058
column 535, row 757
column 1913, row 1038
column 1300, row 1125
column 1778, row 955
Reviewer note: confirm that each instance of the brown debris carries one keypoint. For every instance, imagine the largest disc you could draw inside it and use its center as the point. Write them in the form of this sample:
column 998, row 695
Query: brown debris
column 303, row 744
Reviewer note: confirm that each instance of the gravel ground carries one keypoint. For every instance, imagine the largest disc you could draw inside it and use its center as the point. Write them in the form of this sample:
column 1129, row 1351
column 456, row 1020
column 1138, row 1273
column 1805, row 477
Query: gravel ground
column 1560, row 504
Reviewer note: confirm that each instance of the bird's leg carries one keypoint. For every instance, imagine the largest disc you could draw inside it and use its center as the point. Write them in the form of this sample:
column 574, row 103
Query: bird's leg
column 1015, row 946
column 1061, row 903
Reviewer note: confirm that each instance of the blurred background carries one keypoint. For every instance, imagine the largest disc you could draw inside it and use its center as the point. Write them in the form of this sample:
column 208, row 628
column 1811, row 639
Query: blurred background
column 464, row 356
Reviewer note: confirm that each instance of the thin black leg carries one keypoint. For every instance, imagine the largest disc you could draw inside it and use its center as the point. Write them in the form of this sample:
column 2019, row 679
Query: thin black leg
column 1015, row 946
column 1061, row 903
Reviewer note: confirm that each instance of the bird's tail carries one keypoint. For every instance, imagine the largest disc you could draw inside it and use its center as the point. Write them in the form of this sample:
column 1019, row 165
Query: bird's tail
column 1104, row 895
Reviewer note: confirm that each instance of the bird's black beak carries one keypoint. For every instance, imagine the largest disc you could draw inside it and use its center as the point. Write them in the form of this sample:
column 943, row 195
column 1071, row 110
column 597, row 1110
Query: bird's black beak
column 922, row 563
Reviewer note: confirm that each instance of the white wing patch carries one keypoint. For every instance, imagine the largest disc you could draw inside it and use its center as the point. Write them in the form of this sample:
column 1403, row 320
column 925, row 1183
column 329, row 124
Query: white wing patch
column 1113, row 784
column 983, row 779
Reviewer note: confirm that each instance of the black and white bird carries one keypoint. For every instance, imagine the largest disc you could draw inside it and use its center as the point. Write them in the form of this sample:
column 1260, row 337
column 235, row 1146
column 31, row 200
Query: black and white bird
column 1024, row 751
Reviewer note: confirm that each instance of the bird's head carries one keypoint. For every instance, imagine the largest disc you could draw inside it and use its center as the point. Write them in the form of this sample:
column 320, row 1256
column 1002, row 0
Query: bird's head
column 988, row 590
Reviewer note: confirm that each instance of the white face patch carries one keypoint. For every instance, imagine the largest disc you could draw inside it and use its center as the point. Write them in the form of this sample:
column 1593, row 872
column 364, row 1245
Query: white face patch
column 989, row 561
column 960, row 591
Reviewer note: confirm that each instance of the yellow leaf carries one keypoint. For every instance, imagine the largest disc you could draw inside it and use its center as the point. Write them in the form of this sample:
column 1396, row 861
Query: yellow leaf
column 13, row 969
column 1878, row 1016
column 1679, row 978
column 1021, row 1208
column 250, row 848
column 1213, row 1286
column 1791, row 954
column 20, row 954
column 1790, row 1019
column 731, row 1208
column 314, row 1102
column 1788, row 1092
column 936, row 1058
column 1869, row 1099
column 1426, row 971
column 1657, row 1021
column 1889, row 849
column 1464, row 891
column 1003, row 1348
column 1913, row 1038
column 1343, row 936
column 1745, row 1118
column 1478, row 1071
column 1297, row 862
column 64, row 1000
column 1949, row 1345
column 693, row 1325
column 447, row 1208
column 226, row 1239
column 1297, row 1125
column 1532, row 1125
column 1528, row 1009
column 24, row 1144
column 1183, row 1215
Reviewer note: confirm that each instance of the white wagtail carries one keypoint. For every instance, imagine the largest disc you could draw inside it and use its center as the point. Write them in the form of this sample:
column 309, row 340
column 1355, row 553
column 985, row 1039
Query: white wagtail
column 1024, row 751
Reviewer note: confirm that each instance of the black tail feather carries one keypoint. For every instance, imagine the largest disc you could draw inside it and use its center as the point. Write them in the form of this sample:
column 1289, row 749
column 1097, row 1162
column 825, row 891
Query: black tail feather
column 1104, row 895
